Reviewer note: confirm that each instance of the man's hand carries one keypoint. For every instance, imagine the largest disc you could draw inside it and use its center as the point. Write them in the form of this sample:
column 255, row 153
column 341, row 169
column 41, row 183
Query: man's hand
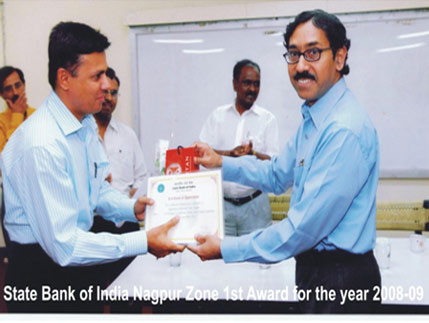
column 208, row 247
column 243, row 149
column 109, row 178
column 140, row 206
column 158, row 242
column 207, row 156
column 19, row 106
column 132, row 191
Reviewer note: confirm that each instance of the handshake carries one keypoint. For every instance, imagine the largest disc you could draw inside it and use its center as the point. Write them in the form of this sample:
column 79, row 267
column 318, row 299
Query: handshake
column 160, row 245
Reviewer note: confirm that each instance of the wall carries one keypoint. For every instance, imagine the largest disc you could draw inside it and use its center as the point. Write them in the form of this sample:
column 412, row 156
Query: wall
column 26, row 25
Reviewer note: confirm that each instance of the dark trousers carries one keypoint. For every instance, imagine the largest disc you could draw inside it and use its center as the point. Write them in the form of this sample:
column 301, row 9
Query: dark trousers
column 30, row 268
column 350, row 277
column 59, row 289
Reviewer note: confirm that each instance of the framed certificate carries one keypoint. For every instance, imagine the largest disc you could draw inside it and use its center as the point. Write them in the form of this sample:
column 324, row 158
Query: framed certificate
column 197, row 198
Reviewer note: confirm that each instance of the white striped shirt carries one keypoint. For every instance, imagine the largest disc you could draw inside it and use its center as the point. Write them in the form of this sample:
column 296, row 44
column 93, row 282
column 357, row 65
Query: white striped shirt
column 54, row 169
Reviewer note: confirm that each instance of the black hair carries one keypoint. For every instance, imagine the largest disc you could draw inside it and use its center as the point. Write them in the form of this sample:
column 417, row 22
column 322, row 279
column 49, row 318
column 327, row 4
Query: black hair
column 112, row 75
column 330, row 24
column 67, row 42
column 5, row 71
column 239, row 66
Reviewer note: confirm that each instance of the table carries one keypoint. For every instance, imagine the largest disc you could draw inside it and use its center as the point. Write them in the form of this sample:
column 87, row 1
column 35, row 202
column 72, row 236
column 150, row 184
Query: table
column 156, row 282
column 408, row 271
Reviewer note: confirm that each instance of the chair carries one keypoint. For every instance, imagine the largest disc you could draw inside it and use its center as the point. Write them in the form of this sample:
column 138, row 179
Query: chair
column 412, row 216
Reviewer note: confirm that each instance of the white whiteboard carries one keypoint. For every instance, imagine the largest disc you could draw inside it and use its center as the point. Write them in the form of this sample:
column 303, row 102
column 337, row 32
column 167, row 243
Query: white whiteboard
column 175, row 88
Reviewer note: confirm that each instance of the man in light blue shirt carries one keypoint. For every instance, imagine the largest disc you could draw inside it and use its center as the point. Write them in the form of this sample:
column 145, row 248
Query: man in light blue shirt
column 54, row 169
column 332, row 166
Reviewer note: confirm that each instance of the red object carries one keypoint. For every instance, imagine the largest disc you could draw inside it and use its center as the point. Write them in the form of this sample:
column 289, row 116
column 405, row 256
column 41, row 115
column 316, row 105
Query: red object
column 180, row 160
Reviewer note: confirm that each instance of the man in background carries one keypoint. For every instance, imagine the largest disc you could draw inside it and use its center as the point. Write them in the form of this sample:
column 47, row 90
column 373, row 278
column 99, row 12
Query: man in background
column 127, row 170
column 54, row 169
column 12, row 90
column 243, row 128
column 127, row 165
column 332, row 165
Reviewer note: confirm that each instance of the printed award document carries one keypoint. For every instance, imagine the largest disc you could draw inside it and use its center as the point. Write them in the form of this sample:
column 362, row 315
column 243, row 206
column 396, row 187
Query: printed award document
column 197, row 198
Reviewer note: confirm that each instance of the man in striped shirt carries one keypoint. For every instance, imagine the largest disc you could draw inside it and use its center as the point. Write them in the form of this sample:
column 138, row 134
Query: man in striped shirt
column 54, row 169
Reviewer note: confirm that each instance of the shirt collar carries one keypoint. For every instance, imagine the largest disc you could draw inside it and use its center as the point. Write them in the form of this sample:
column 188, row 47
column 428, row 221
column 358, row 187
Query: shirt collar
column 321, row 108
column 113, row 124
column 67, row 122
column 254, row 109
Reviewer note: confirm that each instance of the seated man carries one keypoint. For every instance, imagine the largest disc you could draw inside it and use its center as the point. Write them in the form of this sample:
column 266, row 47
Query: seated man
column 12, row 90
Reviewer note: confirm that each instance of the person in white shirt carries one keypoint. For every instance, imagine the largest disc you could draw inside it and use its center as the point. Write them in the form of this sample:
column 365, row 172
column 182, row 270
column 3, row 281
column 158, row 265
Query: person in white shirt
column 238, row 129
column 128, row 169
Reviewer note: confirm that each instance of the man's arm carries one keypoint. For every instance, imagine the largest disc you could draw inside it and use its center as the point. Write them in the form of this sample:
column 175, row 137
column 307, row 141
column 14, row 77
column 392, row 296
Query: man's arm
column 208, row 157
column 327, row 193
column 275, row 175
column 56, row 218
column 243, row 150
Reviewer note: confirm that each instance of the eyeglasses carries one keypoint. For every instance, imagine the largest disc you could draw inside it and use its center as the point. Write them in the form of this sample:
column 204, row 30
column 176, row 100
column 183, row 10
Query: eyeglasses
column 9, row 88
column 310, row 55
column 113, row 93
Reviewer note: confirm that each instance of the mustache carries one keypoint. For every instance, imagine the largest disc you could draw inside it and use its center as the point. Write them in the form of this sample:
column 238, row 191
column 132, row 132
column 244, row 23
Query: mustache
column 250, row 93
column 107, row 103
column 303, row 75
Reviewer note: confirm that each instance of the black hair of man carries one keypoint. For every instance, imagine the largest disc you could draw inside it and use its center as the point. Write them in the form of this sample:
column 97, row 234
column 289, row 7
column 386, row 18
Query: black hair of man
column 239, row 66
column 330, row 24
column 67, row 42
column 111, row 74
column 5, row 71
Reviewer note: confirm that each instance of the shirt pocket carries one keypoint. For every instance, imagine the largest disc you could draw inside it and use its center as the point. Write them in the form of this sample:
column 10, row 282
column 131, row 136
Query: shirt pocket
column 99, row 170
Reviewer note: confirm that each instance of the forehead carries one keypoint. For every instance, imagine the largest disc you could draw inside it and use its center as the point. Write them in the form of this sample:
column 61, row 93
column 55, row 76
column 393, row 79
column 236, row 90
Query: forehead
column 92, row 63
column 249, row 72
column 11, row 79
column 307, row 35
column 113, row 84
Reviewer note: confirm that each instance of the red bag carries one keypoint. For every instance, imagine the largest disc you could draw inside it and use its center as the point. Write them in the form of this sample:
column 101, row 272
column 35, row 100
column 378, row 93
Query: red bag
column 180, row 160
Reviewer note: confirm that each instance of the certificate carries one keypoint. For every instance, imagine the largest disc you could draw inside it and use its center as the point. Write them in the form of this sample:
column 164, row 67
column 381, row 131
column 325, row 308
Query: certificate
column 196, row 198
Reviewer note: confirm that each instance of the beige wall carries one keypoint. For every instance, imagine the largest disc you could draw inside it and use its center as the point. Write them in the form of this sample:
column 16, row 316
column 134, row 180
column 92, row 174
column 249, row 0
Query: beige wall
column 26, row 25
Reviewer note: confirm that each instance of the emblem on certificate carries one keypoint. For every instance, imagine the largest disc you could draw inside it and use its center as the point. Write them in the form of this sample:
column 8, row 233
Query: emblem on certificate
column 196, row 198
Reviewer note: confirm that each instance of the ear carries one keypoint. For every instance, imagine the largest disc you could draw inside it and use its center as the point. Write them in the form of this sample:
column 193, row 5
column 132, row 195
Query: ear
column 340, row 58
column 63, row 79
column 234, row 85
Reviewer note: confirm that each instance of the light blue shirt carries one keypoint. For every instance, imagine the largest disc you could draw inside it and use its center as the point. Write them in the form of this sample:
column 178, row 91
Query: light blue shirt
column 332, row 165
column 54, row 169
